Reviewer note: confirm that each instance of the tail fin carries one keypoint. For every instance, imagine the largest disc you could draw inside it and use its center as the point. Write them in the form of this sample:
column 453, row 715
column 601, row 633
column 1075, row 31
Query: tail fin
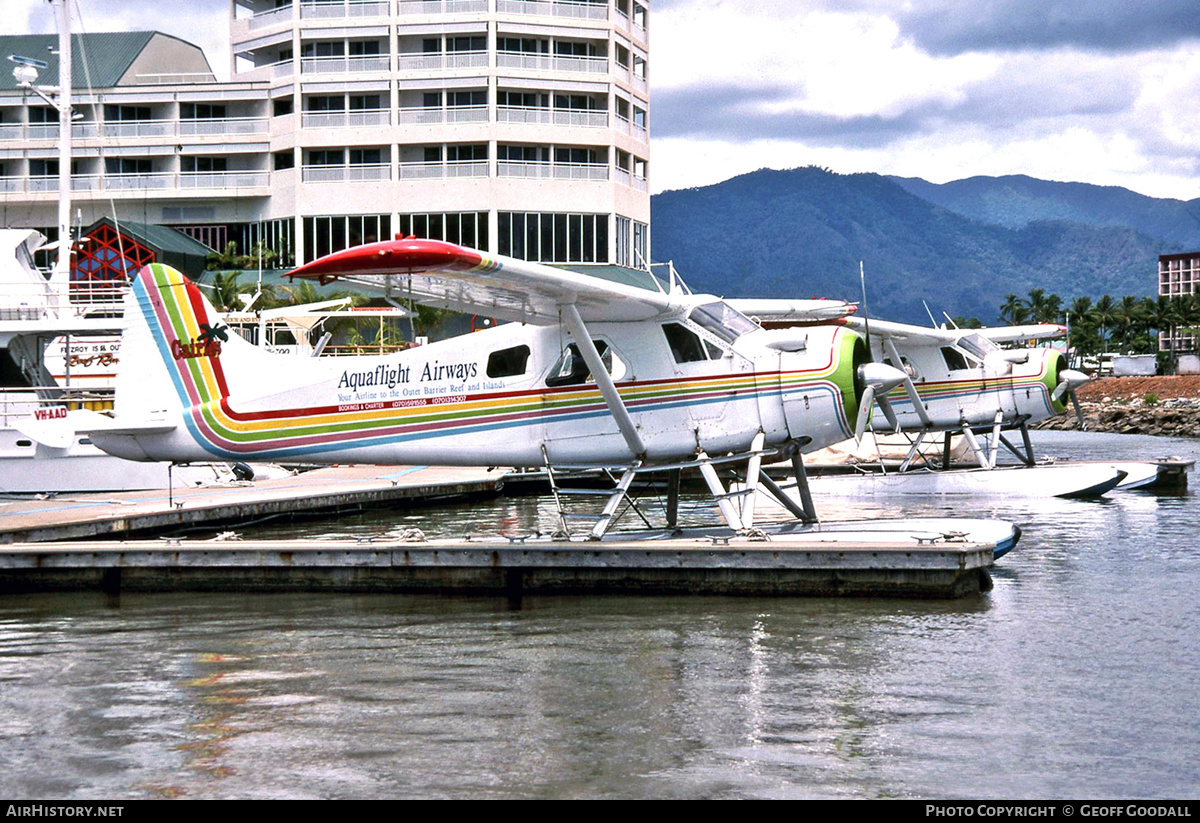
column 174, row 352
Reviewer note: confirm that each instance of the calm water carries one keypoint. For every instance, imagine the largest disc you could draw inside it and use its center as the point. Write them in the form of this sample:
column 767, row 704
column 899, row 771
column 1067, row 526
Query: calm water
column 1077, row 676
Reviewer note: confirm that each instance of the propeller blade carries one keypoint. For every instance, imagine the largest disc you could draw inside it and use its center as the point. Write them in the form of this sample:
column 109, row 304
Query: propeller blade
column 879, row 379
column 1078, row 411
column 864, row 412
column 885, row 406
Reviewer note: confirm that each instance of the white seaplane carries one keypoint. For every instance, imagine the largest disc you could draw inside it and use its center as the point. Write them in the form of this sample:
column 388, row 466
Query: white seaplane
column 630, row 376
column 960, row 381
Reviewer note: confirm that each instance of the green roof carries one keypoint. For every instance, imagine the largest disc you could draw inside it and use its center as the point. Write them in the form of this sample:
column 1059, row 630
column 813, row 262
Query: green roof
column 98, row 60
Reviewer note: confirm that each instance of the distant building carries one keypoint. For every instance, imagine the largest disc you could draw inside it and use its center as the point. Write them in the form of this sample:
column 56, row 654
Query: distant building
column 520, row 127
column 1178, row 275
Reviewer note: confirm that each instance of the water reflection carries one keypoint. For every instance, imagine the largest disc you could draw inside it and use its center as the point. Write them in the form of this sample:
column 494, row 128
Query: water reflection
column 1076, row 676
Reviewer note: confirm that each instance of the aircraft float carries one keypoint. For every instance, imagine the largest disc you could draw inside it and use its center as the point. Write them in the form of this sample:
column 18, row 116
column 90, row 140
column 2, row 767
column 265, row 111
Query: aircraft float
column 632, row 375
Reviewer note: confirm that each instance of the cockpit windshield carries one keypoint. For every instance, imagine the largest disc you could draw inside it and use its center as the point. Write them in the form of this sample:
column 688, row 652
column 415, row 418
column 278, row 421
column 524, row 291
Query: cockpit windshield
column 978, row 345
column 723, row 320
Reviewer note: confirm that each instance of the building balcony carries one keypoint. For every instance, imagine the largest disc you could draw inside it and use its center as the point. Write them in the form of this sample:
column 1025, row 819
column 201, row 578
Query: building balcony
column 344, row 119
column 554, row 8
column 439, row 170
column 551, row 62
column 344, row 65
column 359, row 172
column 443, row 60
column 442, row 6
column 224, row 179
column 340, row 9
column 271, row 17
column 222, row 126
column 589, row 118
column 155, row 181
column 555, row 171
column 215, row 127
column 437, row 115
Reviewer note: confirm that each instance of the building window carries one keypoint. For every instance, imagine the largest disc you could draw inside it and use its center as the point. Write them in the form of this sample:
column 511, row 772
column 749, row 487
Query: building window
column 325, row 235
column 201, row 111
column 461, row 228
column 554, row 238
column 284, row 159
column 624, row 257
column 202, row 164
column 282, row 106
column 127, row 165
column 325, row 157
column 122, row 113
column 641, row 245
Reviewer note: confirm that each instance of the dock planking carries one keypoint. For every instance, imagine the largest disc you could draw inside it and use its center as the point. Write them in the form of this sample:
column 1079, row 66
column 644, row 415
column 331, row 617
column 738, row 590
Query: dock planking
column 668, row 565
column 330, row 489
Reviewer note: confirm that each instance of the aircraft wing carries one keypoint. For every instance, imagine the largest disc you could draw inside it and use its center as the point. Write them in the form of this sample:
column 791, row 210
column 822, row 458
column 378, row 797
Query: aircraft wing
column 794, row 311
column 442, row 274
column 924, row 335
column 1011, row 334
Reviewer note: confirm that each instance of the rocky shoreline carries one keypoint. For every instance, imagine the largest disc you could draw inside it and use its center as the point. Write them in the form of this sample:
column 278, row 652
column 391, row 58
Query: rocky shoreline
column 1160, row 406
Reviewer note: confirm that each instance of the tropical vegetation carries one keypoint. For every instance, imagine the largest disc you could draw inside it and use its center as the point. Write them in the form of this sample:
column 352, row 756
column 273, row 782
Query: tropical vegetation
column 1129, row 325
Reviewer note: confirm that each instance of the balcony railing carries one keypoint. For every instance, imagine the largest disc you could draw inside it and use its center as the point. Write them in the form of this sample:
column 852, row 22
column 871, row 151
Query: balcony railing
column 443, row 60
column 556, row 171
column 353, row 173
column 325, row 9
column 438, row 170
column 154, row 181
column 442, row 6
column 139, row 128
column 217, row 126
column 271, row 17
column 344, row 119
column 224, row 179
column 222, row 126
column 343, row 64
column 418, row 115
column 589, row 118
column 550, row 62
column 554, row 8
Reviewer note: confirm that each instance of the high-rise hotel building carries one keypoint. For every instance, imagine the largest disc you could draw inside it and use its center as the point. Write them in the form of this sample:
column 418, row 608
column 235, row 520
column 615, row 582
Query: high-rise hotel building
column 516, row 126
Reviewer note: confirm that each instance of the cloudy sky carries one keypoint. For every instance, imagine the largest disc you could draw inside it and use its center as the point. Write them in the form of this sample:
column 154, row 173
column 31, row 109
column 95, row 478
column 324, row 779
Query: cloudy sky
column 1095, row 91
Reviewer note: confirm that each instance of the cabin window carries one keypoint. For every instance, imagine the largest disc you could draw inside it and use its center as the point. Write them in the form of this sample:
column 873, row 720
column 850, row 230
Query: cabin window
column 571, row 369
column 685, row 344
column 954, row 358
column 508, row 362
column 24, row 444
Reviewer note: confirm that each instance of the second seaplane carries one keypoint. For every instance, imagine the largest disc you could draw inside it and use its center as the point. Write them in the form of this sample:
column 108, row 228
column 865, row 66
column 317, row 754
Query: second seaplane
column 631, row 375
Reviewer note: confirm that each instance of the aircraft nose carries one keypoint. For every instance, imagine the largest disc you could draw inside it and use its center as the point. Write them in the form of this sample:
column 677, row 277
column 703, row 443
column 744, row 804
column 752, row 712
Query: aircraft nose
column 1073, row 378
column 880, row 376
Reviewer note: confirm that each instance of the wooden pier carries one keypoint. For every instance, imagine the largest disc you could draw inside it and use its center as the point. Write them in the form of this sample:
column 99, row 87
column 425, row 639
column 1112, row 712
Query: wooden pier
column 329, row 490
column 513, row 568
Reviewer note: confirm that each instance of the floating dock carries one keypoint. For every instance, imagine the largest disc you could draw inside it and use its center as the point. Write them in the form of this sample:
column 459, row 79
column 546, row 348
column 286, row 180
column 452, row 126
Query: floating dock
column 328, row 490
column 513, row 568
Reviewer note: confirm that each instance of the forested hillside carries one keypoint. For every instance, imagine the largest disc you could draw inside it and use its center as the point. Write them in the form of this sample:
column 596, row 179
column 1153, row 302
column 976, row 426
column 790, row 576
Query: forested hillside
column 802, row 233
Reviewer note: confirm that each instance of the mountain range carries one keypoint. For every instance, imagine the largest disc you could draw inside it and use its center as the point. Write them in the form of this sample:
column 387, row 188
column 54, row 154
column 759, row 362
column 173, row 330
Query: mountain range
column 957, row 247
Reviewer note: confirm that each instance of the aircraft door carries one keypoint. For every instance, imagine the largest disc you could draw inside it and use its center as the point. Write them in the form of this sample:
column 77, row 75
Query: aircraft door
column 721, row 385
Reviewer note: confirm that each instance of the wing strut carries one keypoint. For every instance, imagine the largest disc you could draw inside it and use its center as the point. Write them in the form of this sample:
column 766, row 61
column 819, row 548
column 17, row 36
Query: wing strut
column 918, row 406
column 612, row 399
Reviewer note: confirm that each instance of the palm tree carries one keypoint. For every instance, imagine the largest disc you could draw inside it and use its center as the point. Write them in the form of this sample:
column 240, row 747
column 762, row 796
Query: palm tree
column 1014, row 311
column 1103, row 314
